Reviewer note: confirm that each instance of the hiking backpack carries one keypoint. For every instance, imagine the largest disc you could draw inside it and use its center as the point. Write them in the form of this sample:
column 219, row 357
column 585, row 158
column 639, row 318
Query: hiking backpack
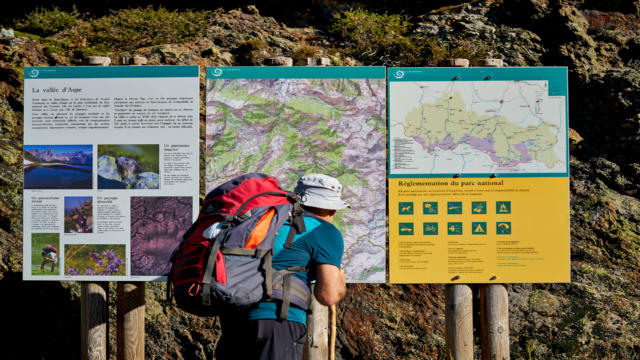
column 224, row 260
column 47, row 250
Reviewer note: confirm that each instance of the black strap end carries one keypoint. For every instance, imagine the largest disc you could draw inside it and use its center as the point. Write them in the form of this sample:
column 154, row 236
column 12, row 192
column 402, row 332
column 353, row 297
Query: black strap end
column 290, row 237
column 297, row 218
column 286, row 297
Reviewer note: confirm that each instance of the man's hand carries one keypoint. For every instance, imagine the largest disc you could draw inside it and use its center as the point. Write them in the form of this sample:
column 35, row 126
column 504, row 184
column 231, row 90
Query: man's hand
column 331, row 284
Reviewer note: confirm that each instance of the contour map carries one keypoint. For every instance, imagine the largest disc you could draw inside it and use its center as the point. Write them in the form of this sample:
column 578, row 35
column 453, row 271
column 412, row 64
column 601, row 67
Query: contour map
column 290, row 127
column 463, row 127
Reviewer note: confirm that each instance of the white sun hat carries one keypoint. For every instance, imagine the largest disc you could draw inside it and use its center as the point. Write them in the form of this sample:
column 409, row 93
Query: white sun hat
column 320, row 191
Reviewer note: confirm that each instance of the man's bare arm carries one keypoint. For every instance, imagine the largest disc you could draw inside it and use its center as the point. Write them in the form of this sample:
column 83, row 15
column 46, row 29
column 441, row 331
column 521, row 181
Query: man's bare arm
column 331, row 284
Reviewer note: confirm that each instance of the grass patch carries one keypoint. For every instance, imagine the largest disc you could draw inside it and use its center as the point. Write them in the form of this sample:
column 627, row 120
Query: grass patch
column 121, row 30
column 78, row 35
column 49, row 44
column 45, row 22
column 130, row 29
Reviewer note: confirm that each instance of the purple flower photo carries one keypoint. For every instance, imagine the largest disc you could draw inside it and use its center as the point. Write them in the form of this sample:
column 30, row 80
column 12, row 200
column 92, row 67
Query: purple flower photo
column 95, row 260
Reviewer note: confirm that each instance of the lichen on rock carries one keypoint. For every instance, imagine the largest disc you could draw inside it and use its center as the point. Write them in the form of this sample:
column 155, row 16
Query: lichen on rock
column 108, row 168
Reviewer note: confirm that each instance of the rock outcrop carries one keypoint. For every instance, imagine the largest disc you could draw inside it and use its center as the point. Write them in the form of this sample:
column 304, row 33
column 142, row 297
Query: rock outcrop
column 596, row 316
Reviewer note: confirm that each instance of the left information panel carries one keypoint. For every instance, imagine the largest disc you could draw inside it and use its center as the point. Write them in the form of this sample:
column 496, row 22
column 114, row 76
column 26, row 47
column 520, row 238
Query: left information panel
column 110, row 170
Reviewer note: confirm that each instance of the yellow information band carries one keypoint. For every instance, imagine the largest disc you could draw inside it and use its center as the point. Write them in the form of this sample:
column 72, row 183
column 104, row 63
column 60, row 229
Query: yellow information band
column 479, row 230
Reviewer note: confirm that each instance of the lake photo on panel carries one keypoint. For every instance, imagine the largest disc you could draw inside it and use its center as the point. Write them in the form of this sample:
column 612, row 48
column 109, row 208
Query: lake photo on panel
column 58, row 166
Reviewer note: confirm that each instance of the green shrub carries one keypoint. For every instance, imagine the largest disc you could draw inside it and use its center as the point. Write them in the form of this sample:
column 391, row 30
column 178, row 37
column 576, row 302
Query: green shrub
column 253, row 51
column 463, row 48
column 45, row 22
column 303, row 52
column 374, row 38
column 388, row 40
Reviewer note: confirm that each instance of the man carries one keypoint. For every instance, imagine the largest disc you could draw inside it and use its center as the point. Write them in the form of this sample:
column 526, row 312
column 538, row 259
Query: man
column 49, row 255
column 320, row 248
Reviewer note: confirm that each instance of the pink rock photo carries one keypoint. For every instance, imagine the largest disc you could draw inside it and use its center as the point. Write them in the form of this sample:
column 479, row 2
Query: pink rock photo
column 157, row 226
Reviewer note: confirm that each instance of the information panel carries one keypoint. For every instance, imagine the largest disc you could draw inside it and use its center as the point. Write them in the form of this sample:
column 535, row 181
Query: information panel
column 478, row 175
column 290, row 121
column 110, row 170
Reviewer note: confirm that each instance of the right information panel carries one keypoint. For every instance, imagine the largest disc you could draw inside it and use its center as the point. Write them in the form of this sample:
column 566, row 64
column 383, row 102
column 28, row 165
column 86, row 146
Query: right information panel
column 478, row 175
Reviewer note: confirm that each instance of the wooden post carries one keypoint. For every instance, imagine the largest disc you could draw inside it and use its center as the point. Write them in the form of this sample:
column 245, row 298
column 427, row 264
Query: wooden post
column 494, row 299
column 130, row 333
column 455, row 62
column 317, row 347
column 130, row 306
column 93, row 321
column 459, row 298
column 494, row 315
column 99, row 60
column 93, row 297
column 333, row 310
column 459, row 322
column 488, row 62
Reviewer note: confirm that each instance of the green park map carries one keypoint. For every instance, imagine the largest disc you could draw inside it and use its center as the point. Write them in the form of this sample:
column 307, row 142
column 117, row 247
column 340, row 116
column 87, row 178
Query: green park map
column 440, row 127
column 290, row 127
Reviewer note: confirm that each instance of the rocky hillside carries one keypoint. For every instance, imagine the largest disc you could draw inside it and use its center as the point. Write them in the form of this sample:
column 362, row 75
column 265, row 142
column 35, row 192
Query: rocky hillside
column 596, row 316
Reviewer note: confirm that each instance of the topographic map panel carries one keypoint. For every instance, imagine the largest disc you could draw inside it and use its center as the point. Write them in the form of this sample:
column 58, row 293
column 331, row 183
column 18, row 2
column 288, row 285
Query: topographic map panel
column 477, row 127
column 289, row 127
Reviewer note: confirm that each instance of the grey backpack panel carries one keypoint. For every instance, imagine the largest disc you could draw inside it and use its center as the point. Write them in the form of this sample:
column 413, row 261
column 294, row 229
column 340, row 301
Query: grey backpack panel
column 245, row 279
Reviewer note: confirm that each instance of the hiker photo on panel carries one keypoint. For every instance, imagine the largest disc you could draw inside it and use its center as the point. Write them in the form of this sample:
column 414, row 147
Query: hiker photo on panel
column 269, row 330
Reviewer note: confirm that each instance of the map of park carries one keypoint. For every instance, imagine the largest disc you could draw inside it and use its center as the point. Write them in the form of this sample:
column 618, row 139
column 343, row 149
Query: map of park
column 289, row 127
column 476, row 127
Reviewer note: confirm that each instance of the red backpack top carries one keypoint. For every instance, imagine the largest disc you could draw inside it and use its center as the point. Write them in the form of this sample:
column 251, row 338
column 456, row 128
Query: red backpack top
column 224, row 260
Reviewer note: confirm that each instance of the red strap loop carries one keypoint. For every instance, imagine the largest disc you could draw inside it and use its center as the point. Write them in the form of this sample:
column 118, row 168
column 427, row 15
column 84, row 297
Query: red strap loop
column 197, row 289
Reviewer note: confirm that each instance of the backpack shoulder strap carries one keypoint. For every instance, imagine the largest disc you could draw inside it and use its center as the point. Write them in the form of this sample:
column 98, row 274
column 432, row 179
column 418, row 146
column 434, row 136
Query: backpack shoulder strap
column 297, row 224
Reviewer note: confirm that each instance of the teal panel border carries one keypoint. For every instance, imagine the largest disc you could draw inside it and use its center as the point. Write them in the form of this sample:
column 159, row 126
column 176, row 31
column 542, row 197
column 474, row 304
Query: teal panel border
column 296, row 72
column 102, row 72
column 556, row 76
column 476, row 176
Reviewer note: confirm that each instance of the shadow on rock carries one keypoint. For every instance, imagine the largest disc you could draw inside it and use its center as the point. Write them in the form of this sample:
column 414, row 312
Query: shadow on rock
column 48, row 319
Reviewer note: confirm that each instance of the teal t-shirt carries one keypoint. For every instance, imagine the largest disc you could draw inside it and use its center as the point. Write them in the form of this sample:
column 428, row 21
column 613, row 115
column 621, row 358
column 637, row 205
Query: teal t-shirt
column 321, row 244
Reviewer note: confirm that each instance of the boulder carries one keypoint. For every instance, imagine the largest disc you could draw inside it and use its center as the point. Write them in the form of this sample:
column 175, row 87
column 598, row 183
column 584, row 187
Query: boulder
column 145, row 180
column 7, row 34
column 279, row 61
column 107, row 168
column 99, row 60
column 140, row 60
column 9, row 154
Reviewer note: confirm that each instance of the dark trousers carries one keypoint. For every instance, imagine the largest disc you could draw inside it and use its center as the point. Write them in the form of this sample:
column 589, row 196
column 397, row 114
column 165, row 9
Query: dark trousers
column 264, row 339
